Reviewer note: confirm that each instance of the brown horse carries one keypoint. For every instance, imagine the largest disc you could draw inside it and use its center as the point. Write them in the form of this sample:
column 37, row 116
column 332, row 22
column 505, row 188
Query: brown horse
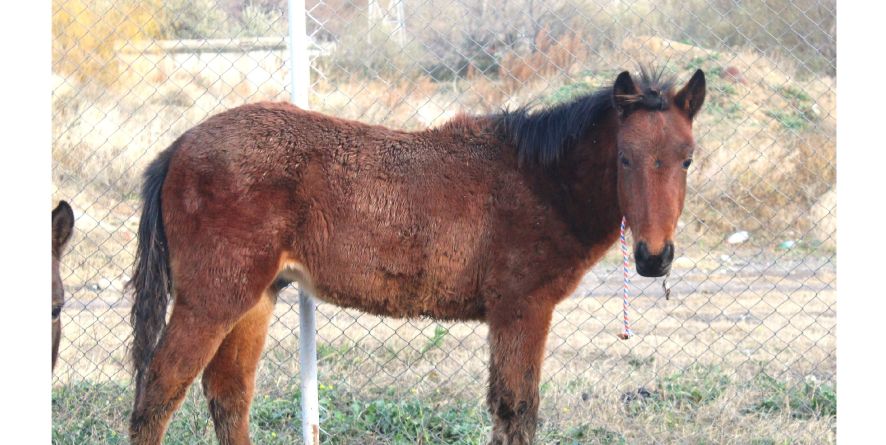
column 62, row 228
column 493, row 218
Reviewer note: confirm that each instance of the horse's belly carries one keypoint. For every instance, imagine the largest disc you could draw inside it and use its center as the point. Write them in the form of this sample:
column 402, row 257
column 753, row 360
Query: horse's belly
column 405, row 306
column 398, row 282
column 393, row 251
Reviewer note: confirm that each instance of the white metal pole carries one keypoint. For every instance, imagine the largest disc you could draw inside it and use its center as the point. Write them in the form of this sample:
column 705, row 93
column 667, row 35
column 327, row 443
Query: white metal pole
column 300, row 72
column 307, row 356
column 401, row 24
column 299, row 64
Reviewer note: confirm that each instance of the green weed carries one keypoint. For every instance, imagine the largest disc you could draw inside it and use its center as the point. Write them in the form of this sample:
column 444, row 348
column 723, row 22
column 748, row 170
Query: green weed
column 585, row 435
column 437, row 340
column 679, row 392
column 801, row 401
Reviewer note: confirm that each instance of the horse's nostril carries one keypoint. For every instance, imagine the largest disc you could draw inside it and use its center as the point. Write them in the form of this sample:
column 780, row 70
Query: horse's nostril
column 641, row 252
column 668, row 252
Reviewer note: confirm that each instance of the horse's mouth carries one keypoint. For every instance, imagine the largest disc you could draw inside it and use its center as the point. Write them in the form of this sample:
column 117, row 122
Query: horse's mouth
column 653, row 273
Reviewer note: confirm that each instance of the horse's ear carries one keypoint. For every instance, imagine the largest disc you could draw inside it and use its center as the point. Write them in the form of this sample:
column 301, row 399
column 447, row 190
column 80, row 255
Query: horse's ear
column 691, row 97
column 62, row 226
column 624, row 92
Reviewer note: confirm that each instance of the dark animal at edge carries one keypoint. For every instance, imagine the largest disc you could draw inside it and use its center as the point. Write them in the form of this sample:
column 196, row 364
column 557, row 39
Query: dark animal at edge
column 493, row 218
column 62, row 228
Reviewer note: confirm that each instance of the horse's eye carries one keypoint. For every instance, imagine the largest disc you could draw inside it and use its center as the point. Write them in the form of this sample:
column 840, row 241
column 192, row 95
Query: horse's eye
column 687, row 163
column 56, row 311
column 625, row 161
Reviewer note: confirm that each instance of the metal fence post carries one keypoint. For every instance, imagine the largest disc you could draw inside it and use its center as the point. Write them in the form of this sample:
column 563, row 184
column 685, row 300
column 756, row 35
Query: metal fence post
column 299, row 70
column 307, row 356
column 299, row 64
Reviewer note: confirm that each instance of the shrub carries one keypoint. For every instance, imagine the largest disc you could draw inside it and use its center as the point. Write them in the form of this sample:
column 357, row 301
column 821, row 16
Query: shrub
column 85, row 34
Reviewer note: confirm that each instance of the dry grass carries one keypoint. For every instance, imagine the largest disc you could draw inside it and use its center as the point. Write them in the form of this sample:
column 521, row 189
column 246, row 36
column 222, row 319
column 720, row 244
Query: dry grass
column 551, row 57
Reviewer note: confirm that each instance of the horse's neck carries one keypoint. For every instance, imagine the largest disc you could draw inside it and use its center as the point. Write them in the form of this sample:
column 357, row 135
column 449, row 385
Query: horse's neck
column 591, row 178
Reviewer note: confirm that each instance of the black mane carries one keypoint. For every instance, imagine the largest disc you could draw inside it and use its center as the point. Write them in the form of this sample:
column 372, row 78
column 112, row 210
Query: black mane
column 543, row 136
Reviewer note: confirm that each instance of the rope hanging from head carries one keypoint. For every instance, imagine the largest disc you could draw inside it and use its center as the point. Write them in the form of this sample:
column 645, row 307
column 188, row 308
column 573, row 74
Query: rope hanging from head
column 626, row 333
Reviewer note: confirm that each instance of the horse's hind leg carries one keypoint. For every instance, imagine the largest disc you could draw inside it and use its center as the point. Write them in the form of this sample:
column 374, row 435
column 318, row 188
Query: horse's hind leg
column 188, row 343
column 517, row 335
column 229, row 379
column 205, row 312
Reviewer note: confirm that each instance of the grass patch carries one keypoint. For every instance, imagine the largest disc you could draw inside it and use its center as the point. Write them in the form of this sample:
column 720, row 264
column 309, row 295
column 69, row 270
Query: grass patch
column 345, row 418
column 794, row 93
column 641, row 362
column 681, row 391
column 568, row 92
column 334, row 351
column 277, row 414
column 790, row 120
column 694, row 386
column 727, row 89
column 100, row 420
column 768, row 441
column 98, row 413
column 800, row 111
column 403, row 421
column 801, row 401
column 584, row 435
column 707, row 63
column 87, row 413
column 728, row 110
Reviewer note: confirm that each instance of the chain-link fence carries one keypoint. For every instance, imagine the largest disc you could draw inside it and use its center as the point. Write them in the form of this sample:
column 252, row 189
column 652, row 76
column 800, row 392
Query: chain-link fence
column 743, row 352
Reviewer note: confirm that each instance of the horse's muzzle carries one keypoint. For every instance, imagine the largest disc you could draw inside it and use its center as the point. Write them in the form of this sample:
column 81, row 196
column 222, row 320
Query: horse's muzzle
column 649, row 265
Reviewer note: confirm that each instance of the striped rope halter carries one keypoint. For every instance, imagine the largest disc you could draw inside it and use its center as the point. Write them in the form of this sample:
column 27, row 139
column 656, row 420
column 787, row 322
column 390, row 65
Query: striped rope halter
column 627, row 332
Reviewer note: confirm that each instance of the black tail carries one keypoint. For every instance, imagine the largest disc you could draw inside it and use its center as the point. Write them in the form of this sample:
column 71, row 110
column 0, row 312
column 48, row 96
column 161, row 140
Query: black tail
column 151, row 280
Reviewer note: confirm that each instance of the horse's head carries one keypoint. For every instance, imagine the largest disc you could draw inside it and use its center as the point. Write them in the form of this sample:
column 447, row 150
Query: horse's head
column 62, row 227
column 655, row 148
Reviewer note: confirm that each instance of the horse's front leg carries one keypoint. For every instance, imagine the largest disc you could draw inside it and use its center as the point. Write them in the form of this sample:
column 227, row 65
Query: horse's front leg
column 517, row 334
